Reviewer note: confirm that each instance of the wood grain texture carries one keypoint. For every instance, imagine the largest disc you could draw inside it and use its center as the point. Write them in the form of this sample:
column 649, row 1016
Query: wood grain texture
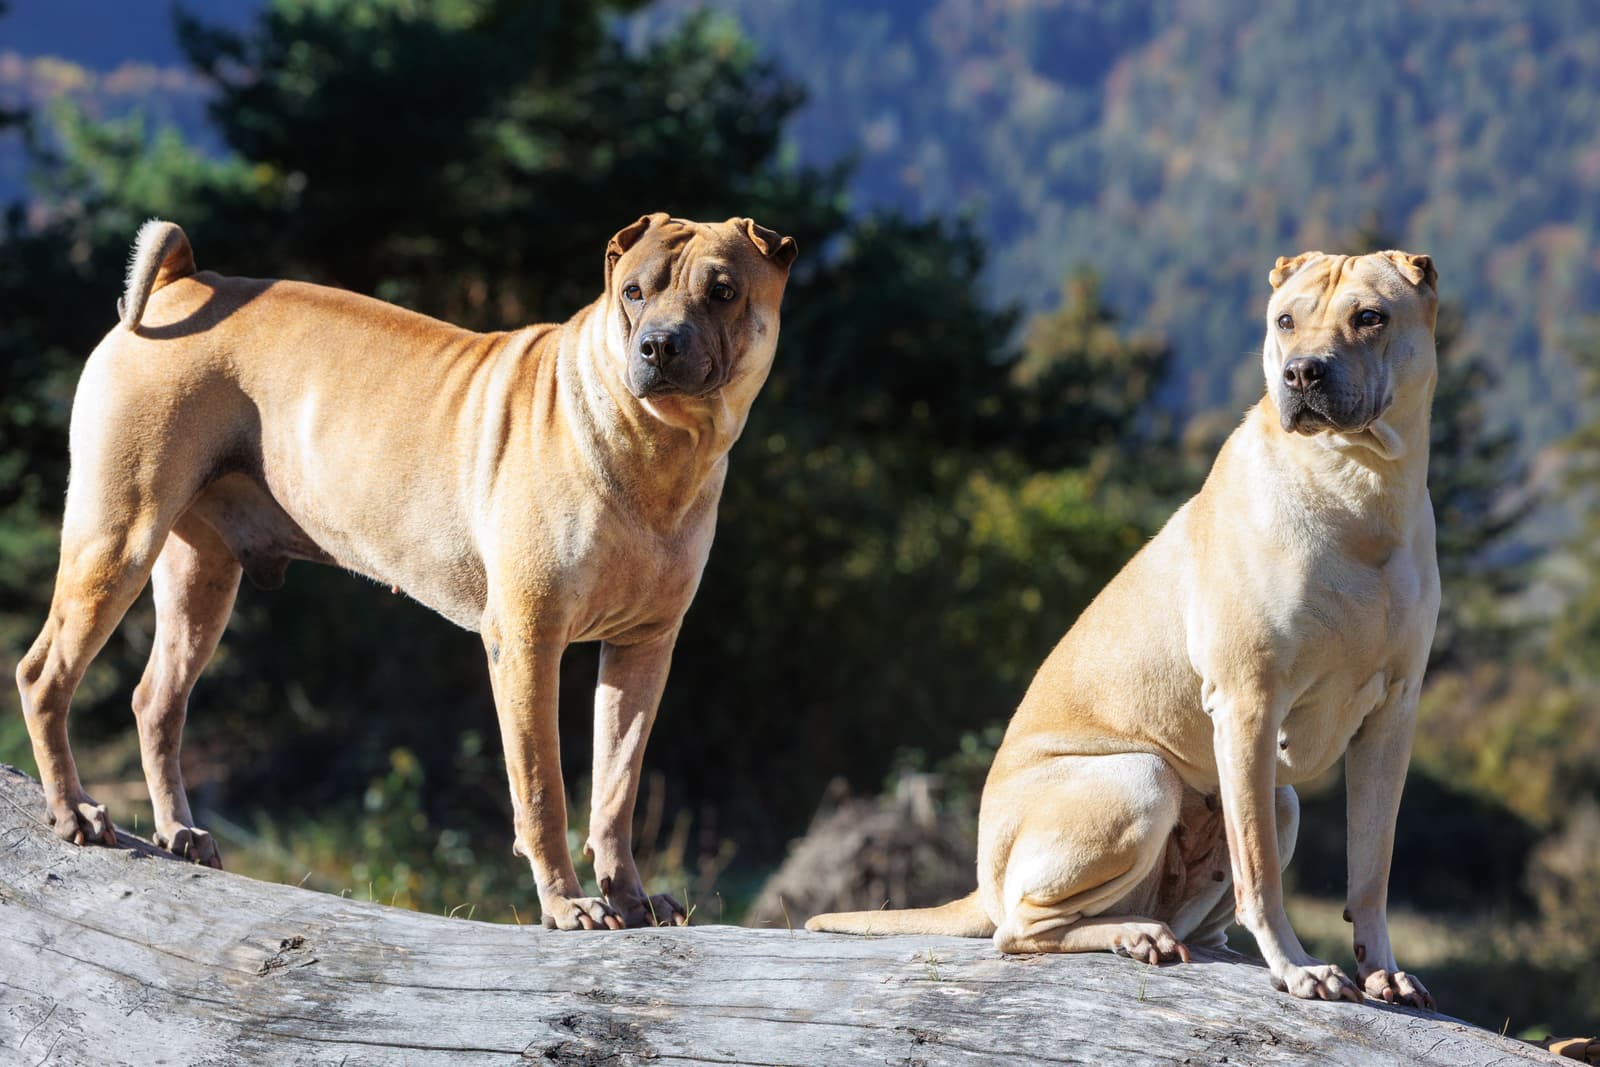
column 124, row 956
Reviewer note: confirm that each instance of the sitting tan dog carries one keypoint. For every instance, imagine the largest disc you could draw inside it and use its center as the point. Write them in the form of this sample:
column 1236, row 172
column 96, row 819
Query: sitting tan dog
column 554, row 484
column 1281, row 619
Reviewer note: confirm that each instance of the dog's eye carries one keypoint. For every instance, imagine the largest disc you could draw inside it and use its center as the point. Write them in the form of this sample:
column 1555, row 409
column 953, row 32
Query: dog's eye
column 1285, row 322
column 633, row 292
column 1368, row 318
column 722, row 291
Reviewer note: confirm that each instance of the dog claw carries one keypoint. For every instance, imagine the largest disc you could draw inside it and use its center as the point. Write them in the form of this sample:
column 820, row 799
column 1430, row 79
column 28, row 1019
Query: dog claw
column 1319, row 981
column 1398, row 987
column 1150, row 943
column 83, row 822
column 636, row 908
column 579, row 913
column 191, row 843
column 663, row 910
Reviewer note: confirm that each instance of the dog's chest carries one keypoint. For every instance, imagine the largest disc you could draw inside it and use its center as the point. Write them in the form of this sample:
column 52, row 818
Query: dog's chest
column 1317, row 731
column 1359, row 641
column 630, row 579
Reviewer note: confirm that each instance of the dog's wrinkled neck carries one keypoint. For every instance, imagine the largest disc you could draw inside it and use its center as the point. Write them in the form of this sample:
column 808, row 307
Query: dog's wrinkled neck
column 1378, row 437
column 677, row 444
column 1382, row 468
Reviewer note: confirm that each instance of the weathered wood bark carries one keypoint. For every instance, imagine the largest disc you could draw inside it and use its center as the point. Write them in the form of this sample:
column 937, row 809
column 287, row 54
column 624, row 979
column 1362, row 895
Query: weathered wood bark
column 121, row 956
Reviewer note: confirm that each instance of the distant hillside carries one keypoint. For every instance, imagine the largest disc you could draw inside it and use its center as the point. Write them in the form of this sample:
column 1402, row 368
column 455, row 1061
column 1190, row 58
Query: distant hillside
column 1178, row 147
column 1175, row 148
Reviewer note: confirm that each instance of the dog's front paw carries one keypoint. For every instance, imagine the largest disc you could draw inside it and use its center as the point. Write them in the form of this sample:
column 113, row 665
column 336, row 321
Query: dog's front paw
column 659, row 909
column 579, row 913
column 629, row 900
column 82, row 821
column 1398, row 987
column 1318, row 981
column 189, row 843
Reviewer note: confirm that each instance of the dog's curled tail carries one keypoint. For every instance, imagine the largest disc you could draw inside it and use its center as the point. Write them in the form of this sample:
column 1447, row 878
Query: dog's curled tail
column 161, row 254
column 959, row 918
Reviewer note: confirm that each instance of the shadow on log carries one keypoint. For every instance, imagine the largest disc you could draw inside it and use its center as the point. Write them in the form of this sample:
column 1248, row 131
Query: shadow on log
column 128, row 956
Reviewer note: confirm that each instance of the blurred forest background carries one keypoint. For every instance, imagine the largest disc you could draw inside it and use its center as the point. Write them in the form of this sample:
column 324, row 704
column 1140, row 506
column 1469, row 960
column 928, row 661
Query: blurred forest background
column 1035, row 238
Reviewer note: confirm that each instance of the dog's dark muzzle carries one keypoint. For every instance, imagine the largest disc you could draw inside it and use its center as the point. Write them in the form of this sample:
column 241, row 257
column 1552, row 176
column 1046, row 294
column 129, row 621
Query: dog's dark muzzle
column 1316, row 397
column 668, row 361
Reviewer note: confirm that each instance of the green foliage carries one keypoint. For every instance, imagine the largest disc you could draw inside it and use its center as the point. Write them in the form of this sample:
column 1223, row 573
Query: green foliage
column 1474, row 469
column 108, row 177
column 1509, row 734
column 1528, row 733
column 1088, row 387
column 900, row 346
column 407, row 842
column 1576, row 640
column 499, row 146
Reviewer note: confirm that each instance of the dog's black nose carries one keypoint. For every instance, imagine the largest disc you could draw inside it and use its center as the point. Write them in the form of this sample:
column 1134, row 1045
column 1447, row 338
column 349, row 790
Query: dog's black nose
column 1304, row 372
column 658, row 348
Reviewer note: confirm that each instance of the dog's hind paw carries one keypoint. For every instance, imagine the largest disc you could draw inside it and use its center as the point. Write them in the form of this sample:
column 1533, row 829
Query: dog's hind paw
column 190, row 843
column 1150, row 942
column 82, row 821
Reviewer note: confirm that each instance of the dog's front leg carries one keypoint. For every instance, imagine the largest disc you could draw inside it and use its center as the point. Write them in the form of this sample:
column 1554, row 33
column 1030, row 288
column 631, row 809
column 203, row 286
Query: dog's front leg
column 1245, row 736
column 1375, row 774
column 631, row 680
column 525, row 672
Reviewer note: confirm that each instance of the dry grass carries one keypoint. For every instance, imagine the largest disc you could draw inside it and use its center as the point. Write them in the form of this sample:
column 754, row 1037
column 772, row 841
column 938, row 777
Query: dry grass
column 1420, row 941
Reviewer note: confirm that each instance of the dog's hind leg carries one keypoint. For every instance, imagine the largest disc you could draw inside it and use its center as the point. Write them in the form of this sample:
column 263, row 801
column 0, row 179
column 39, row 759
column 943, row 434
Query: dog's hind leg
column 132, row 475
column 102, row 571
column 1210, row 911
column 195, row 580
column 1084, row 861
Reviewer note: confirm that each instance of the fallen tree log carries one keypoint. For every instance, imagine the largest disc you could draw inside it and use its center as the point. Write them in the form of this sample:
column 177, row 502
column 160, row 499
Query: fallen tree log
column 127, row 956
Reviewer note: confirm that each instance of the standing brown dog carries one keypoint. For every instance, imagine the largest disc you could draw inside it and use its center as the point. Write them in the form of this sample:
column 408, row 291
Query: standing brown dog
column 560, row 485
column 1281, row 620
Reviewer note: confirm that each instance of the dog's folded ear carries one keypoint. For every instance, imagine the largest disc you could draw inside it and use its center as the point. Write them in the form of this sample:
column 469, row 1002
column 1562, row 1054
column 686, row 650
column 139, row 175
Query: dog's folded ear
column 627, row 237
column 778, row 249
column 1419, row 270
column 1287, row 265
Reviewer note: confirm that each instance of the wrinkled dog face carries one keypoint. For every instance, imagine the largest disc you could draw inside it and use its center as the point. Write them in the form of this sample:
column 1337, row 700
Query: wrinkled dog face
column 696, row 303
column 1347, row 336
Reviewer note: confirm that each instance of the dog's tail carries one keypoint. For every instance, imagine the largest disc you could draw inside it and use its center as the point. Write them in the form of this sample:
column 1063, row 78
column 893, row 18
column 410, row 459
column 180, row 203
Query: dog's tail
column 161, row 254
column 959, row 918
